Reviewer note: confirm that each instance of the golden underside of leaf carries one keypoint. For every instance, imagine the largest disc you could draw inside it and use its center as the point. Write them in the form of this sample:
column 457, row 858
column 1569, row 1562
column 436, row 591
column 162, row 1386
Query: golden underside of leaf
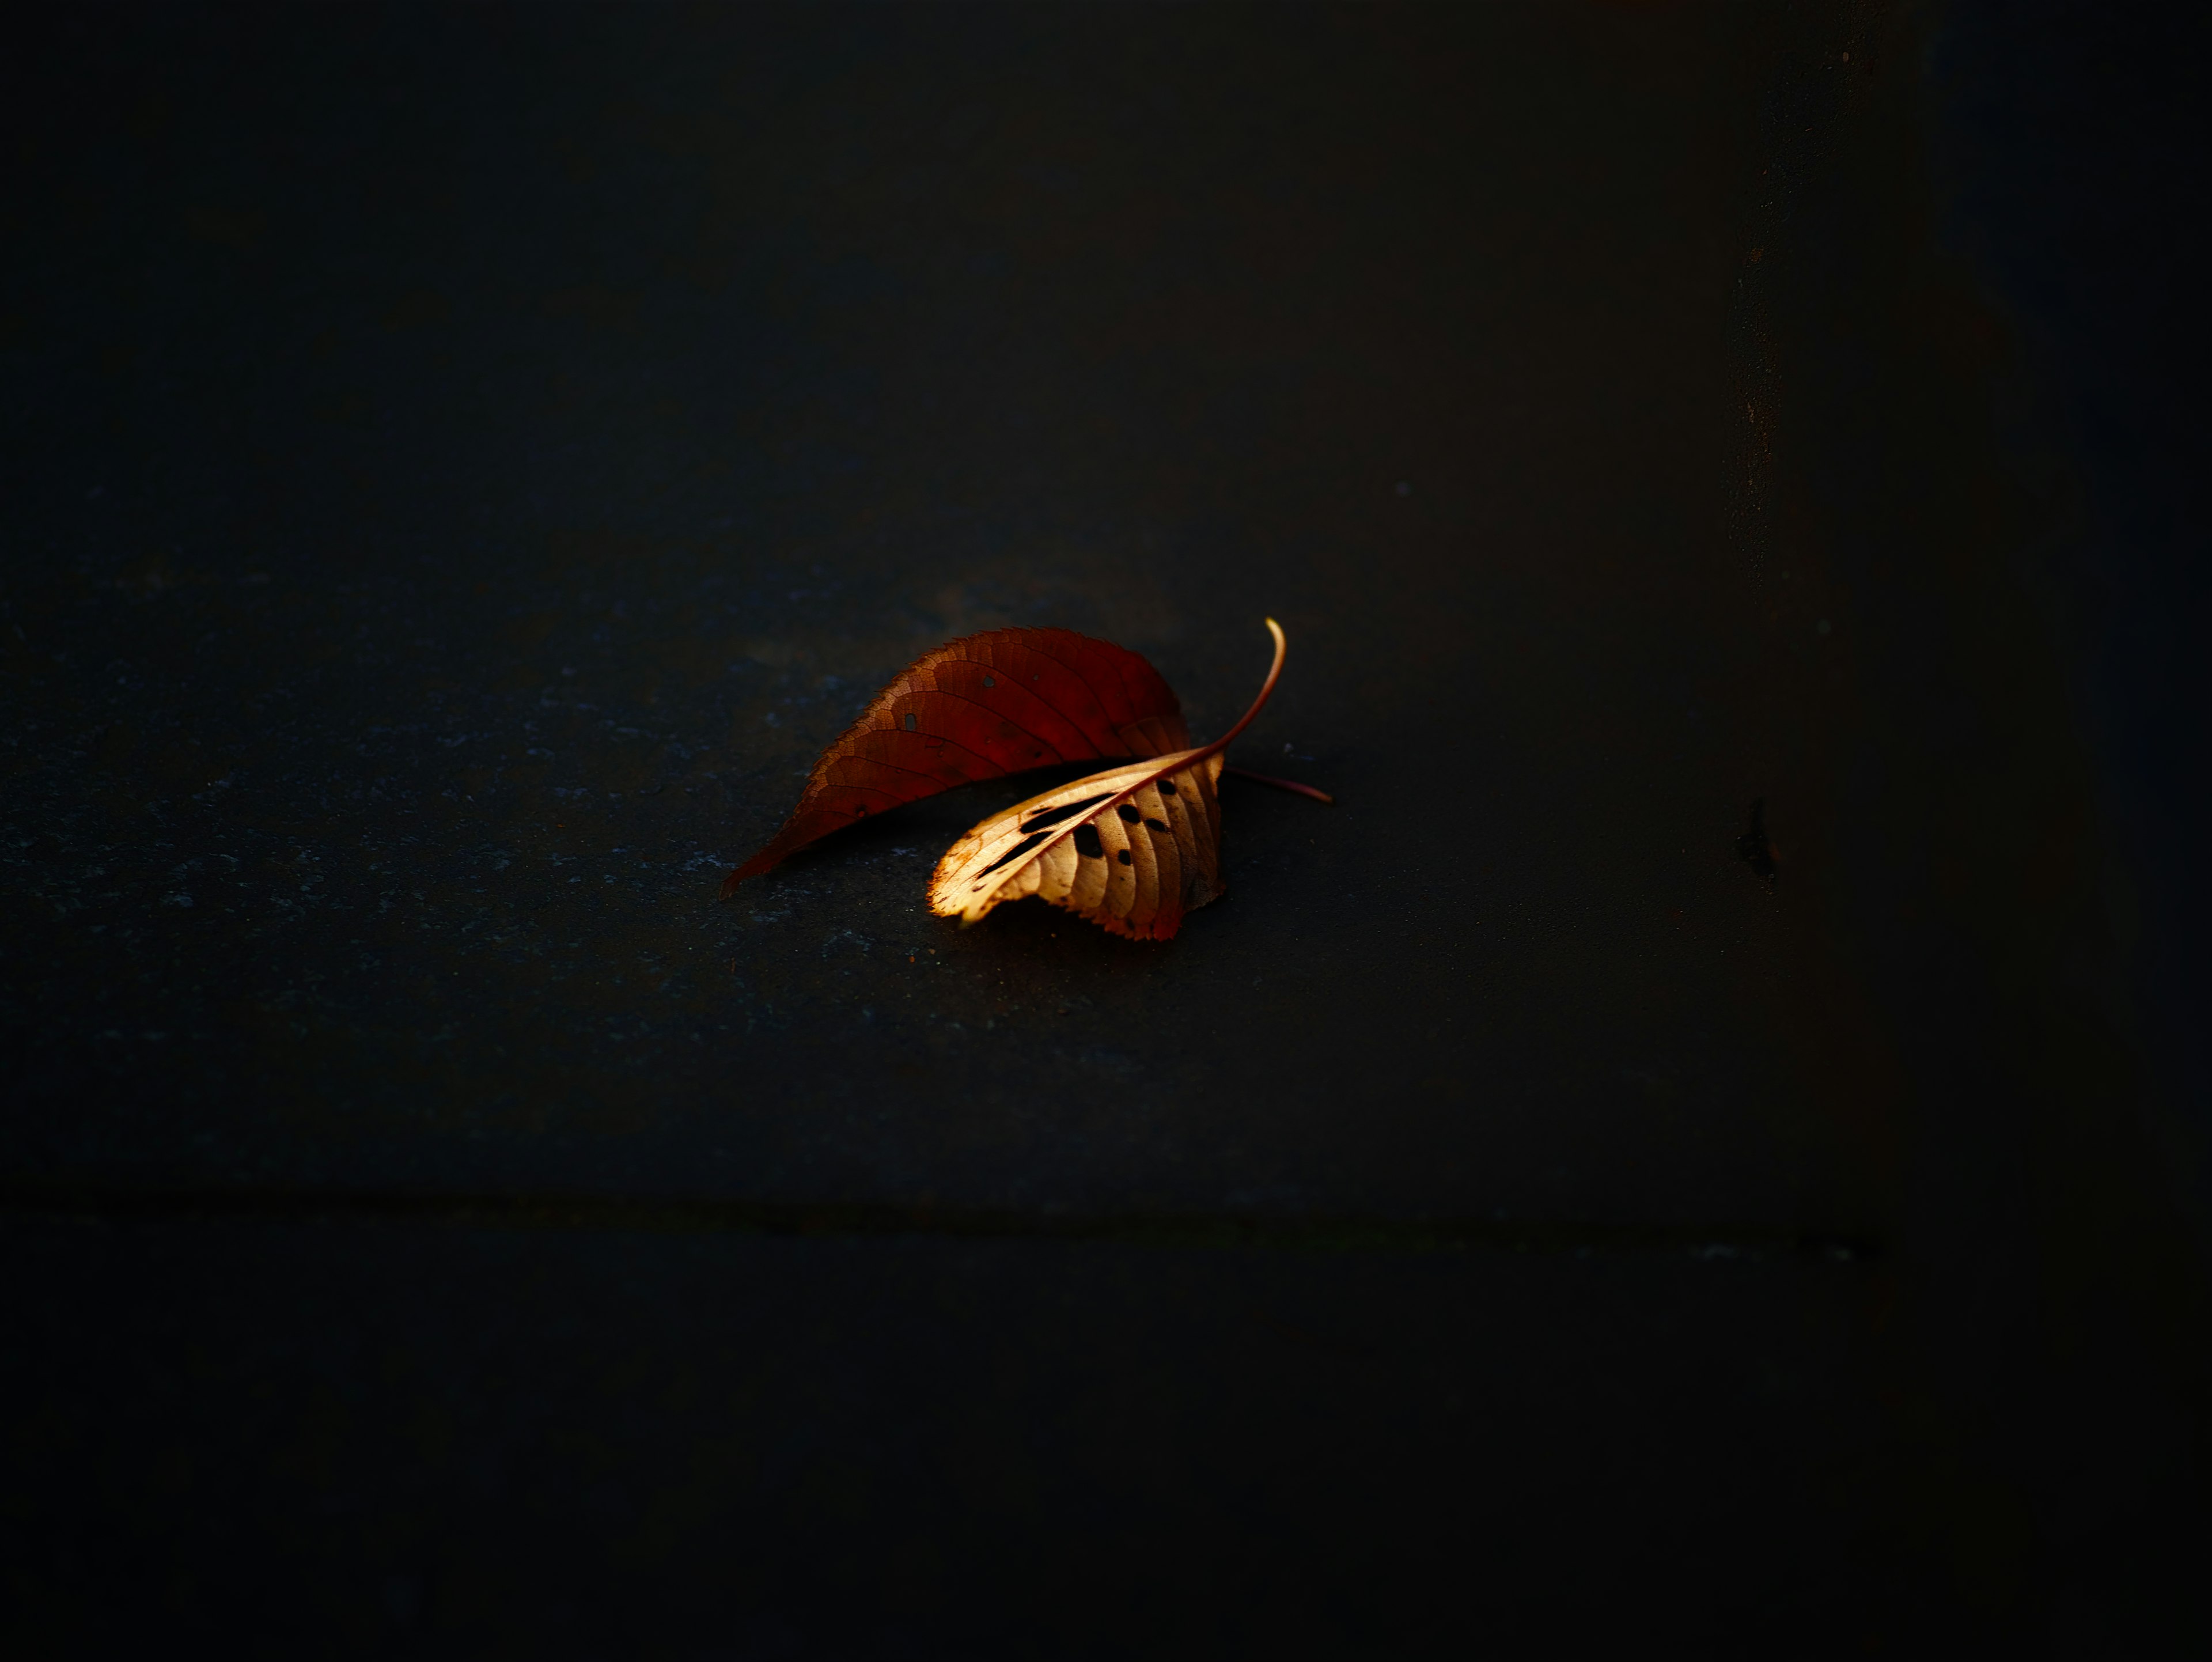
column 1143, row 848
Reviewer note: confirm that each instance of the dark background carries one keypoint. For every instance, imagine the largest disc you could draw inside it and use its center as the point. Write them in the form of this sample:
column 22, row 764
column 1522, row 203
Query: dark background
column 461, row 465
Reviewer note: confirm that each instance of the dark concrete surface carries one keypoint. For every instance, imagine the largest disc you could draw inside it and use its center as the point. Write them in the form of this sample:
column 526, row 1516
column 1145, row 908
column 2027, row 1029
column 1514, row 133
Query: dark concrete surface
column 462, row 465
column 627, row 1444
column 496, row 532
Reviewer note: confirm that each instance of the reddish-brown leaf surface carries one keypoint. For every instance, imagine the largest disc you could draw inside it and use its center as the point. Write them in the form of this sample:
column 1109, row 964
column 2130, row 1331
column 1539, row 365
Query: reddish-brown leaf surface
column 981, row 706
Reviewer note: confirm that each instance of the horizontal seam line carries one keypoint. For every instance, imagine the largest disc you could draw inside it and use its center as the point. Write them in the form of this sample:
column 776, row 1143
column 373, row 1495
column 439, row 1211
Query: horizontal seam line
column 684, row 1214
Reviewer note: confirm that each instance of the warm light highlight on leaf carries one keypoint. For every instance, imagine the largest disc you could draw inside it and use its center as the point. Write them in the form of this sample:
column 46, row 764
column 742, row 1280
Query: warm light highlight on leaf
column 1132, row 848
column 981, row 706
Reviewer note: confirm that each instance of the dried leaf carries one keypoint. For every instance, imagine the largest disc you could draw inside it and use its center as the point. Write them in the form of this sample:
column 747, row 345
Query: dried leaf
column 1132, row 848
column 981, row 706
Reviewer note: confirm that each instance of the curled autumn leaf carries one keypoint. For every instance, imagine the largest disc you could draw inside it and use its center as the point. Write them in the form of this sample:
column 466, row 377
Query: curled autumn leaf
column 1132, row 848
column 986, row 705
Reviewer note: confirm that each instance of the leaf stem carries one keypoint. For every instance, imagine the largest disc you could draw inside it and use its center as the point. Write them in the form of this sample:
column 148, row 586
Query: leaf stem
column 1282, row 784
column 1274, row 671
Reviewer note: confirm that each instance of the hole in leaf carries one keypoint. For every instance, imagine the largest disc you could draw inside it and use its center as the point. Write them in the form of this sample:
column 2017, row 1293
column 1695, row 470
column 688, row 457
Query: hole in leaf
column 1014, row 852
column 1065, row 810
column 907, row 722
column 1087, row 843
